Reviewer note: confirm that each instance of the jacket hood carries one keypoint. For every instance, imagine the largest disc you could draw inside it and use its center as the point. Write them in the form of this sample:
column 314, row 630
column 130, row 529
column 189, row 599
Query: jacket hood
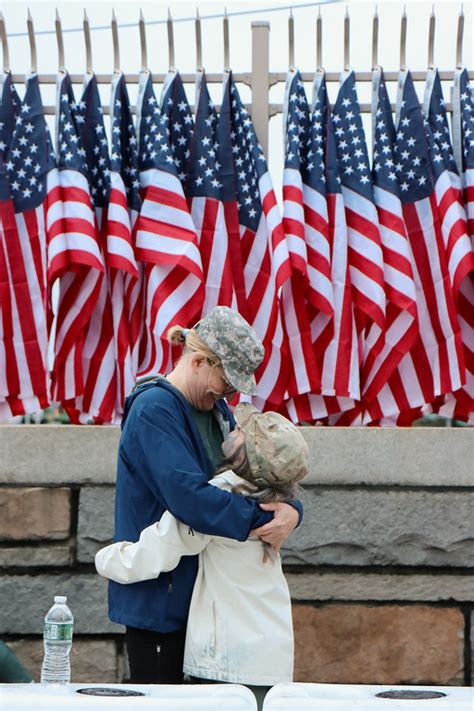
column 140, row 387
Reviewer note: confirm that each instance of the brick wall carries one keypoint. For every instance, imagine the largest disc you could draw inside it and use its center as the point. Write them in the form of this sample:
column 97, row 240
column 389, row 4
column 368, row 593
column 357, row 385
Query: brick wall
column 380, row 572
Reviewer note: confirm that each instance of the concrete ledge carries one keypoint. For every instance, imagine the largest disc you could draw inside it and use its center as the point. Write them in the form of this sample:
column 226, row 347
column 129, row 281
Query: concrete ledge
column 54, row 454
column 422, row 456
column 419, row 456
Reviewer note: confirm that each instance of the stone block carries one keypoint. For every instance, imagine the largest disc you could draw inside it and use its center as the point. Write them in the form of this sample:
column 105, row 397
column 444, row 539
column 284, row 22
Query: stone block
column 124, row 664
column 96, row 520
column 30, row 654
column 328, row 586
column 364, row 527
column 34, row 513
column 360, row 644
column 27, row 598
column 46, row 556
column 92, row 662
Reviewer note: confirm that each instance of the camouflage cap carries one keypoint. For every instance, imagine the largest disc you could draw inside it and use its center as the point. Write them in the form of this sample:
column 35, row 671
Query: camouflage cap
column 237, row 345
column 276, row 450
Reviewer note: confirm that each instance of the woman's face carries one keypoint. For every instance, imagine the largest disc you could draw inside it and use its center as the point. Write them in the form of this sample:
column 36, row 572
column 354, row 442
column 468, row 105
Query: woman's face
column 232, row 442
column 207, row 384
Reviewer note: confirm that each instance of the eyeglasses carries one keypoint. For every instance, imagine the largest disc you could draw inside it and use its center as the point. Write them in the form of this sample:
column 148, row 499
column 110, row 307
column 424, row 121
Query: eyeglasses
column 229, row 388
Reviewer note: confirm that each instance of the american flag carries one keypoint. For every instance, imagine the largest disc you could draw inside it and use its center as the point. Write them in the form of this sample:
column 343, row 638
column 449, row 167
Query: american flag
column 447, row 185
column 9, row 102
column 364, row 242
column 264, row 249
column 435, row 365
column 204, row 193
column 296, row 123
column 74, row 252
column 177, row 115
column 9, row 105
column 126, row 276
column 463, row 129
column 401, row 314
column 98, row 353
column 27, row 176
column 307, row 298
column 365, row 249
column 461, row 404
column 226, row 152
column 166, row 239
column 340, row 367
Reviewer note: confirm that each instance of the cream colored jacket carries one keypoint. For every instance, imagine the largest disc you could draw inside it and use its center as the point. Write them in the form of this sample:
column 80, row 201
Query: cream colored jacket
column 239, row 627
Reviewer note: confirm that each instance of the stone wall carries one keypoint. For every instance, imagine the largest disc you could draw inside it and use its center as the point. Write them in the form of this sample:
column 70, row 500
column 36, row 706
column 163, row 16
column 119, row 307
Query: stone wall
column 381, row 572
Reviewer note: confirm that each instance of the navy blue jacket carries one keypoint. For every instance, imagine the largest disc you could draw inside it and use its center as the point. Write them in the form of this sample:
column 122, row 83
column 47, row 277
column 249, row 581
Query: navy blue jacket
column 163, row 465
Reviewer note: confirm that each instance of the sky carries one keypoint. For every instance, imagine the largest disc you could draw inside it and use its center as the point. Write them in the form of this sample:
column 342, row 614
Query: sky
column 361, row 13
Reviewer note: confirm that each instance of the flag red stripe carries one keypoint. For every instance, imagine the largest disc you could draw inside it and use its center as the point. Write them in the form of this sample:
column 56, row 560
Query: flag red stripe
column 164, row 229
column 315, row 220
column 166, row 198
column 237, row 259
column 11, row 369
column 33, row 354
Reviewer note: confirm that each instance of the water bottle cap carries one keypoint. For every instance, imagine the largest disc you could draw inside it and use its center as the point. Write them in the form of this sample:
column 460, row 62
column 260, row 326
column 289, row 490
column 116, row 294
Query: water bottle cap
column 61, row 599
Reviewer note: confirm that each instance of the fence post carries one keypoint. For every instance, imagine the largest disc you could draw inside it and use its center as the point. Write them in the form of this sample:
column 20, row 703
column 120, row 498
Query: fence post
column 261, row 81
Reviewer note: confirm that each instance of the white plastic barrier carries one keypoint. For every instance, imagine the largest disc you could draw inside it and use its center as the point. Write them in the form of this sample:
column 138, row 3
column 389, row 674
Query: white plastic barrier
column 351, row 697
column 205, row 697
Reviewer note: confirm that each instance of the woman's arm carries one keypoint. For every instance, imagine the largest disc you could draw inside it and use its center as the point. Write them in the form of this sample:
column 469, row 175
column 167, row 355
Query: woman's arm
column 164, row 458
column 158, row 550
column 163, row 455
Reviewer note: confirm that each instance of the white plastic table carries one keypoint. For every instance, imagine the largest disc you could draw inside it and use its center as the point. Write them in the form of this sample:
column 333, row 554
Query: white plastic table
column 352, row 697
column 162, row 697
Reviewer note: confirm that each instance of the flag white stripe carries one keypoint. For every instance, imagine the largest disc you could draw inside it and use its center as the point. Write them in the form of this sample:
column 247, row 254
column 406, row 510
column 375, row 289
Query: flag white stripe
column 167, row 214
column 167, row 245
column 324, row 284
column 315, row 200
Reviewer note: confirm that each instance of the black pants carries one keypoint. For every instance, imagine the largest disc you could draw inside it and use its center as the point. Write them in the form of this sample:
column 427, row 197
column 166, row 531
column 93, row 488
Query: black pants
column 155, row 657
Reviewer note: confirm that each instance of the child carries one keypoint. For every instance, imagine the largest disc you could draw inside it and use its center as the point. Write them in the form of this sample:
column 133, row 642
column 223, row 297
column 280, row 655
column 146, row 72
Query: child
column 240, row 626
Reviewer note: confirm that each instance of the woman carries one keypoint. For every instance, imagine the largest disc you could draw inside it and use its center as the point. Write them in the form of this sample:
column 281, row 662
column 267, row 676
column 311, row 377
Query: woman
column 239, row 627
column 172, row 432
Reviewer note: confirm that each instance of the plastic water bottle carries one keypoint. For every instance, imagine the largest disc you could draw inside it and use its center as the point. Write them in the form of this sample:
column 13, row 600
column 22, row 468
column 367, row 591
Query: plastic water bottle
column 57, row 640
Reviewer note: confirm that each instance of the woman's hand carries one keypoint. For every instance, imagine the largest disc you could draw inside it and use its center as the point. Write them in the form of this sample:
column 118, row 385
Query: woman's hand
column 276, row 532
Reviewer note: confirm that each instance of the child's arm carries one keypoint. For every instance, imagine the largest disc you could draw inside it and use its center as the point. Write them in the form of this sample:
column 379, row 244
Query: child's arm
column 159, row 550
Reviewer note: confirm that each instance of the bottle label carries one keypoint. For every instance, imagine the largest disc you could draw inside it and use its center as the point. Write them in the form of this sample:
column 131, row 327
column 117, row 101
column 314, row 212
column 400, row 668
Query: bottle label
column 58, row 633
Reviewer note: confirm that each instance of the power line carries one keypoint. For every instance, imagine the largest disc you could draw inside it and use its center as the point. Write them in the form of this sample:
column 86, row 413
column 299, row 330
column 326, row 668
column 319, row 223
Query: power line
column 213, row 16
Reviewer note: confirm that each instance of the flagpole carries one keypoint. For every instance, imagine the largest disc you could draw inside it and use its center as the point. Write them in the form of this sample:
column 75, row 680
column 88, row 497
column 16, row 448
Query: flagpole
column 261, row 81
